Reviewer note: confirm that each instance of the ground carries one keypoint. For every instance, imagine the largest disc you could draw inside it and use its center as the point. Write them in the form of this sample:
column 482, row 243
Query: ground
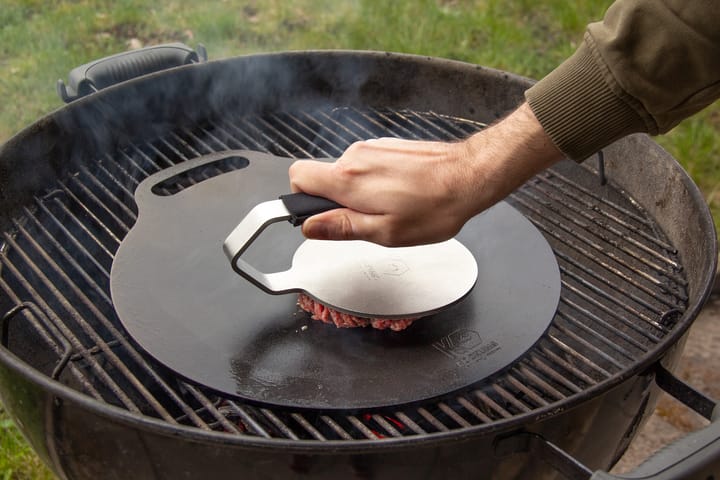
column 698, row 367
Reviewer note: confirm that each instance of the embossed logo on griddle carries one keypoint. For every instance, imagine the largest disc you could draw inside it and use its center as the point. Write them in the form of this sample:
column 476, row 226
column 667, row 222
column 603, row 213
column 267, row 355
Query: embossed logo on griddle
column 466, row 347
column 393, row 267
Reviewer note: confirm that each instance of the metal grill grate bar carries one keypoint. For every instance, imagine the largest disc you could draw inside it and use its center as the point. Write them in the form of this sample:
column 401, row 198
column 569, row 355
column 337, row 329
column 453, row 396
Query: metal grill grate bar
column 208, row 406
column 597, row 247
column 111, row 200
column 302, row 421
column 281, row 135
column 93, row 201
column 485, row 400
column 622, row 270
column 573, row 354
column 47, row 338
column 141, row 171
column 326, row 121
column 223, row 144
column 535, row 378
column 596, row 320
column 324, row 146
column 250, row 423
column 96, row 313
column 108, row 324
column 594, row 335
column 62, row 230
column 410, row 423
column 279, row 424
column 574, row 287
column 114, row 182
column 610, row 223
column 335, row 426
column 561, row 363
column 97, row 369
column 52, row 241
column 524, row 389
column 543, row 367
column 614, row 293
column 387, row 426
column 432, row 420
column 653, row 238
column 362, row 428
column 610, row 235
column 510, row 399
column 453, row 414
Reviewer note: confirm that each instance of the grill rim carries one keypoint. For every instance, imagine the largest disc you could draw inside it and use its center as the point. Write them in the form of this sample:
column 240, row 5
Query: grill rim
column 654, row 355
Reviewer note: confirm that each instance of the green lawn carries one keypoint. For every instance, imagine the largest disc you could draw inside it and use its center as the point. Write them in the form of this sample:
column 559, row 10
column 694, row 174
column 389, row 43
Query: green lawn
column 17, row 460
column 40, row 41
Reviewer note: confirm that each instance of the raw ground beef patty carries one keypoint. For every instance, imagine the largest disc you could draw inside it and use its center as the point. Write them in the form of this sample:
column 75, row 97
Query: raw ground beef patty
column 318, row 311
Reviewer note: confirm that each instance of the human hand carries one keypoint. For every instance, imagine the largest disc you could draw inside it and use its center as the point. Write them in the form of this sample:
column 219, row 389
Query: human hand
column 398, row 192
column 403, row 192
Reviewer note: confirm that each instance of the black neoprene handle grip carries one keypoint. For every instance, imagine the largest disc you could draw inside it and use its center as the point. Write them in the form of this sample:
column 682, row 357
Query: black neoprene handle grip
column 303, row 206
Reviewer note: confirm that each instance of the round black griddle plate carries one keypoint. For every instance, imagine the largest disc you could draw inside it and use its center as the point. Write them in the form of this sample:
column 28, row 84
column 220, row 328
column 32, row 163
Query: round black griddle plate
column 178, row 297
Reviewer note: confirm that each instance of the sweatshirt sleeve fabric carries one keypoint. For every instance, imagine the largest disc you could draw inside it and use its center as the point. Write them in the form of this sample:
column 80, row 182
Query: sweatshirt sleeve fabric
column 648, row 65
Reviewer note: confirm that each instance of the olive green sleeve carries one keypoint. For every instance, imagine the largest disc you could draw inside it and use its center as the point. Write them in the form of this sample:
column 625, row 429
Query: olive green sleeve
column 648, row 65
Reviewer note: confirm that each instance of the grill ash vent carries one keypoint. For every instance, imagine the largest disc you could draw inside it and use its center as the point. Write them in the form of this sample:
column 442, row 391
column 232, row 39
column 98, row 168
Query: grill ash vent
column 621, row 283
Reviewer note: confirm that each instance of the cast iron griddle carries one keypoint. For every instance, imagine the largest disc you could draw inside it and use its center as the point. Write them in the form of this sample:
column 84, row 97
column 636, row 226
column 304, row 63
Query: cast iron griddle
column 178, row 297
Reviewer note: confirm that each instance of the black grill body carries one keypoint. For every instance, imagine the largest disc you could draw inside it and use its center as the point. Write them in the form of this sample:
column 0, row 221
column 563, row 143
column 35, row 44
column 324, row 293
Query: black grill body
column 633, row 238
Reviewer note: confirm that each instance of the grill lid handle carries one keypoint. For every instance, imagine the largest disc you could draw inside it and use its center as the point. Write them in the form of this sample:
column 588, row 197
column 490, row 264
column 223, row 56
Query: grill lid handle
column 105, row 72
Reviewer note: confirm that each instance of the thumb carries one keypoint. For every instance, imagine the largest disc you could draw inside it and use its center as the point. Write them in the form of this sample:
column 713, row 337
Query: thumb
column 331, row 225
column 340, row 224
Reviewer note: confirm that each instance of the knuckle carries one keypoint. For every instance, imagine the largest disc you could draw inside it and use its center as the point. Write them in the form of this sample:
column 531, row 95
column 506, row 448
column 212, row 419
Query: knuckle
column 295, row 174
column 295, row 168
column 354, row 148
column 344, row 172
column 345, row 228
column 354, row 152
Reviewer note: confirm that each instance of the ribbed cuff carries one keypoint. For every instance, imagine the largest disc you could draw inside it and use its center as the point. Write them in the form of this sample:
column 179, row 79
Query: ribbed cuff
column 578, row 108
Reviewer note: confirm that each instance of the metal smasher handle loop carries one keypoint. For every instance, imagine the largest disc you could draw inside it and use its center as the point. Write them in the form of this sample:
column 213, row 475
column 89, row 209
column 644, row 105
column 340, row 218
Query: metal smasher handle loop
column 240, row 239
column 295, row 207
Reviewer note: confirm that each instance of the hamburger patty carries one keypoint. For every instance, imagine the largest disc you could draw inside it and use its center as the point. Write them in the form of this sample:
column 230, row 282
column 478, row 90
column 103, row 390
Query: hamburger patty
column 325, row 314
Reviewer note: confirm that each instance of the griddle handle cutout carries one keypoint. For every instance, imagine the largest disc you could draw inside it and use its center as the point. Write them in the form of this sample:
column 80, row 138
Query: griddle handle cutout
column 303, row 206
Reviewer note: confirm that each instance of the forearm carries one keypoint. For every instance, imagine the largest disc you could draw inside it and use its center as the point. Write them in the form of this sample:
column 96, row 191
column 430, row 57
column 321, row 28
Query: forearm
column 645, row 67
column 508, row 154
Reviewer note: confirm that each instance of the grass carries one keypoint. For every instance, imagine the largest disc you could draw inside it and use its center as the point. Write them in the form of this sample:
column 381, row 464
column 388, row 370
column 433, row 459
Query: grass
column 40, row 41
column 17, row 460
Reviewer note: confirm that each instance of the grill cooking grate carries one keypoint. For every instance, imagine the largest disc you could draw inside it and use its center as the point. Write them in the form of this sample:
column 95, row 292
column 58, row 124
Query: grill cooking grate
column 622, row 284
